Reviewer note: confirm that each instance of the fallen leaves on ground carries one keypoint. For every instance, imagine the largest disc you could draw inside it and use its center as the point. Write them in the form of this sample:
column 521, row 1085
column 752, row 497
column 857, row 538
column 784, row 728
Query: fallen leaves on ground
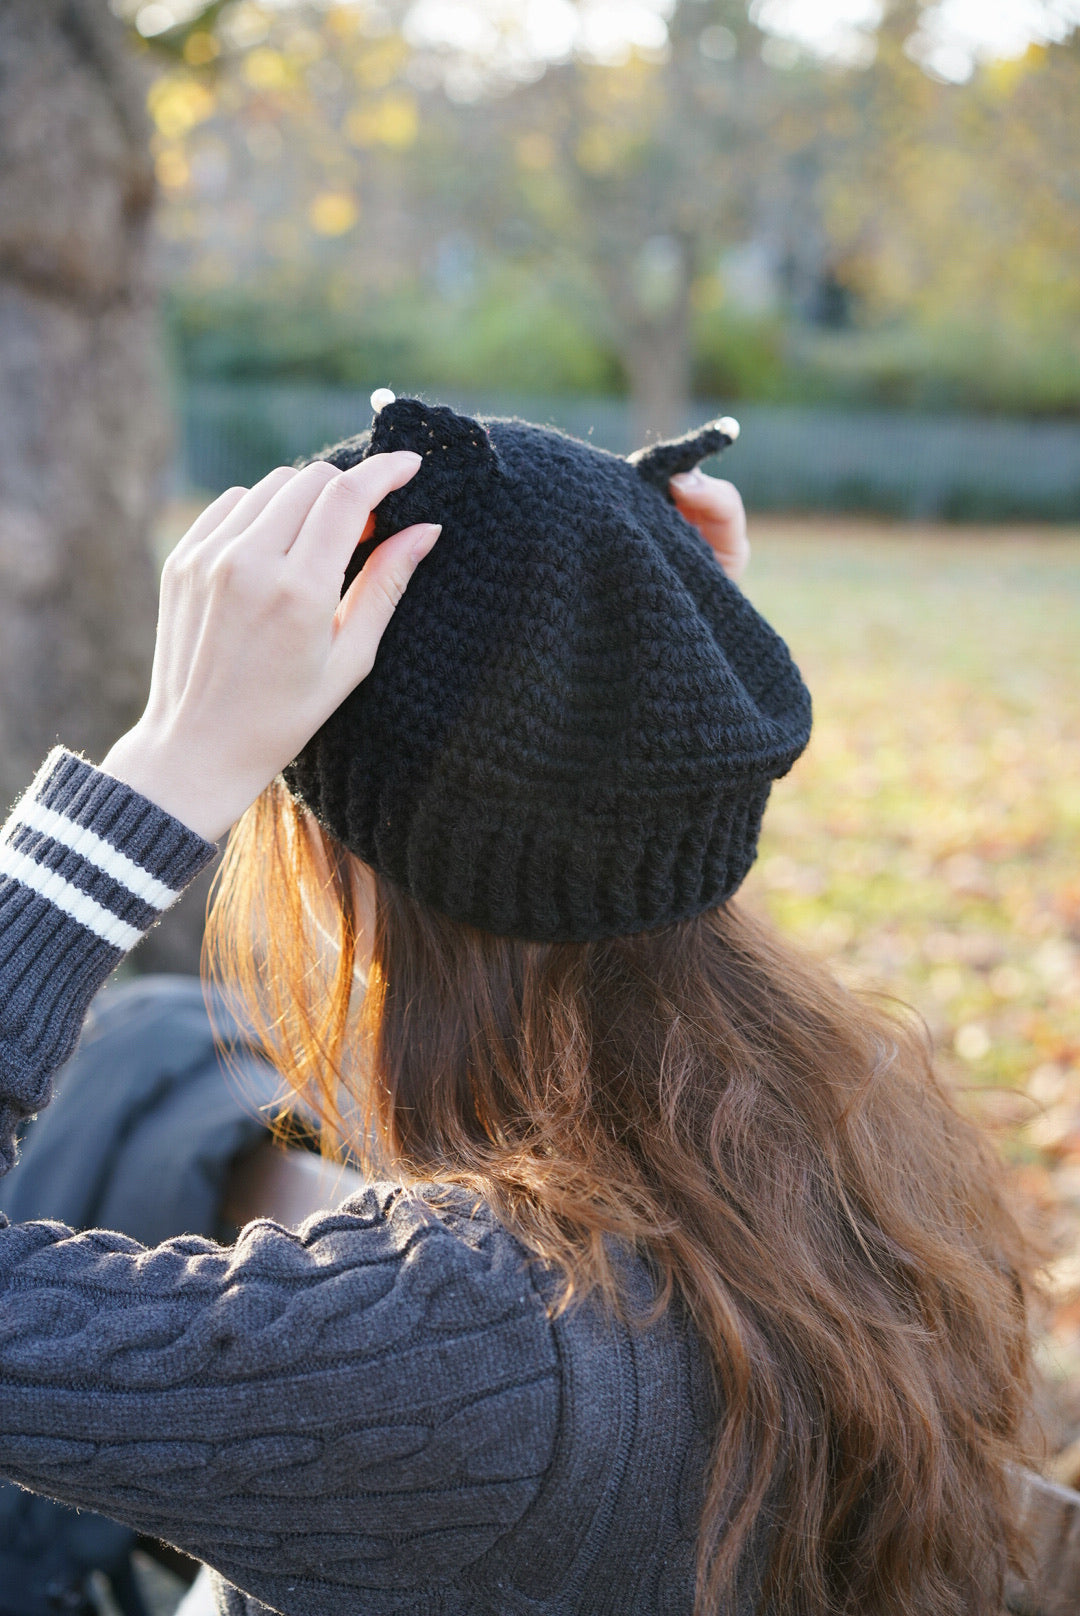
column 929, row 839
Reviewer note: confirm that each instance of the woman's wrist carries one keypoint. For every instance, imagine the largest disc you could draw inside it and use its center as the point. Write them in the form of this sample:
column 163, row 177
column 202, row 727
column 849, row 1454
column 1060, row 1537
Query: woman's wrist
column 166, row 773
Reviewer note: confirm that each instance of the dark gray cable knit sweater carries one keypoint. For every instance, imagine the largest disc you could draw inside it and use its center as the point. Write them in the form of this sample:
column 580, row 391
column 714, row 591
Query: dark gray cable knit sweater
column 374, row 1413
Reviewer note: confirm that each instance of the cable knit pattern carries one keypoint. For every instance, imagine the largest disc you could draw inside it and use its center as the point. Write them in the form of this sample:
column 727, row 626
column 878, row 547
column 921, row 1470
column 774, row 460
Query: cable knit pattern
column 367, row 1404
column 374, row 1415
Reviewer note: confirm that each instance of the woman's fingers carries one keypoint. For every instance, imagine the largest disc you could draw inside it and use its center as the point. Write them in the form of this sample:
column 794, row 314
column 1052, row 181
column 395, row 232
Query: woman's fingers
column 234, row 511
column 371, row 600
column 716, row 509
column 338, row 518
column 252, row 504
column 270, row 525
column 212, row 517
column 707, row 501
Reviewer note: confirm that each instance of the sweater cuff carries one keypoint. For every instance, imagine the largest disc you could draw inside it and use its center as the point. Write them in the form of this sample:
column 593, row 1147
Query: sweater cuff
column 86, row 867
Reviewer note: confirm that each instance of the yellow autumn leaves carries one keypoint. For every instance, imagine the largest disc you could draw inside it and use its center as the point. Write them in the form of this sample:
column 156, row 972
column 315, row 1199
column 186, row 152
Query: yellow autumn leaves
column 274, row 83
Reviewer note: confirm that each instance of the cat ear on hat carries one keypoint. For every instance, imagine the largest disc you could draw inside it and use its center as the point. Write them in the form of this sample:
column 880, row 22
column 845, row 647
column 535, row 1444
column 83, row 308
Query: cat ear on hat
column 662, row 461
column 451, row 445
column 458, row 464
column 454, row 443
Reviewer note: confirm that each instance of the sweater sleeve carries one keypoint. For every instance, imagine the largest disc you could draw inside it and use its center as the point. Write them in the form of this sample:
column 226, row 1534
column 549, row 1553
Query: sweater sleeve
column 327, row 1416
column 334, row 1418
column 86, row 867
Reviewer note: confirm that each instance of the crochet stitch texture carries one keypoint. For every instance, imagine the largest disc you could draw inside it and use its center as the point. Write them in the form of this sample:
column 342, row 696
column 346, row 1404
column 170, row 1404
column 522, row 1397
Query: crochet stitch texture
column 575, row 718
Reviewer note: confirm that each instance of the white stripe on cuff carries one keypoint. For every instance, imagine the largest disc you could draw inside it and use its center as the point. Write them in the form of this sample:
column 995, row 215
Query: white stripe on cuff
column 47, row 884
column 95, row 849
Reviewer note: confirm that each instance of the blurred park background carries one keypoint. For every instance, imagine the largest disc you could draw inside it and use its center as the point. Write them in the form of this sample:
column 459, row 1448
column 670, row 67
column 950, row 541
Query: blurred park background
column 854, row 224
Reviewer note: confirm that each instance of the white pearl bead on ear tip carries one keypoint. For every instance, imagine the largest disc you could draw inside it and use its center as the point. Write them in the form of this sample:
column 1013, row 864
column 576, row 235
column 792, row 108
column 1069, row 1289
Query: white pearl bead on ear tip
column 381, row 397
column 727, row 424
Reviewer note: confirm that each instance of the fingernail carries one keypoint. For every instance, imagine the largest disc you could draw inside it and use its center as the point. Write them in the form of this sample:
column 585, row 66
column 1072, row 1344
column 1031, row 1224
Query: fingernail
column 359, row 472
column 688, row 479
column 390, row 454
column 425, row 540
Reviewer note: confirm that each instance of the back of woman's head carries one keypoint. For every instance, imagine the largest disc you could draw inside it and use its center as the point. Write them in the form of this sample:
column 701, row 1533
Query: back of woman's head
column 775, row 1146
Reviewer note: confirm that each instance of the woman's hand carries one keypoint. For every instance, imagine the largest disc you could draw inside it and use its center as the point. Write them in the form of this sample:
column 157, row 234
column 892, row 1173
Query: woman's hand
column 715, row 508
column 255, row 646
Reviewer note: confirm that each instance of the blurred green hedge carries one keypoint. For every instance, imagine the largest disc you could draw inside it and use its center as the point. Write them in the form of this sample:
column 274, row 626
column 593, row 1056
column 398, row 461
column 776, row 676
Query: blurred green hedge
column 789, row 457
column 520, row 339
column 522, row 336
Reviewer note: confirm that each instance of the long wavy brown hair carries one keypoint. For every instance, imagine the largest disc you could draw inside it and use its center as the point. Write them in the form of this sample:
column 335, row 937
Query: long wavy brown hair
column 776, row 1145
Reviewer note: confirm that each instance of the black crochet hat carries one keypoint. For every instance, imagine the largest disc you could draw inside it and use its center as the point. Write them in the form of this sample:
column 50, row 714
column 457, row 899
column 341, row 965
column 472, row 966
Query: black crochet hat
column 574, row 718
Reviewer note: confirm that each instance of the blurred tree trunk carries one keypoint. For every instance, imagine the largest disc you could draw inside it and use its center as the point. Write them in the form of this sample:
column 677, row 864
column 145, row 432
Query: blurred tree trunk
column 83, row 431
column 657, row 360
column 652, row 296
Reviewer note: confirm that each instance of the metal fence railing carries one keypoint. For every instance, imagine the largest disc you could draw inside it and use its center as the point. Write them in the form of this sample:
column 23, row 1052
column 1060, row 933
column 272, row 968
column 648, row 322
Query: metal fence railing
column 787, row 458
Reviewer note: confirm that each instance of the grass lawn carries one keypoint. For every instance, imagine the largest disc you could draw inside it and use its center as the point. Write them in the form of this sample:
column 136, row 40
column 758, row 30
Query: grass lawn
column 929, row 839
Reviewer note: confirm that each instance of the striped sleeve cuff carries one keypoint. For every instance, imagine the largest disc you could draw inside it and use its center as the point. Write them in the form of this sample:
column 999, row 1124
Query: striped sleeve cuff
column 86, row 867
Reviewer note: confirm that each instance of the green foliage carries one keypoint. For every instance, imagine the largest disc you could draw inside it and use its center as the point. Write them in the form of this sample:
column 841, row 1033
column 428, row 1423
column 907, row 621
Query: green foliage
column 738, row 356
column 936, row 370
column 527, row 341
column 234, row 336
column 297, row 141
column 932, row 371
column 515, row 336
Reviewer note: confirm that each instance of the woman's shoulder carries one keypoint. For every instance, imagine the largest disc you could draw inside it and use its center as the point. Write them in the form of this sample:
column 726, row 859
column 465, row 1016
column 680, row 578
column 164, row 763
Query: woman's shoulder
column 443, row 1239
column 452, row 1232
